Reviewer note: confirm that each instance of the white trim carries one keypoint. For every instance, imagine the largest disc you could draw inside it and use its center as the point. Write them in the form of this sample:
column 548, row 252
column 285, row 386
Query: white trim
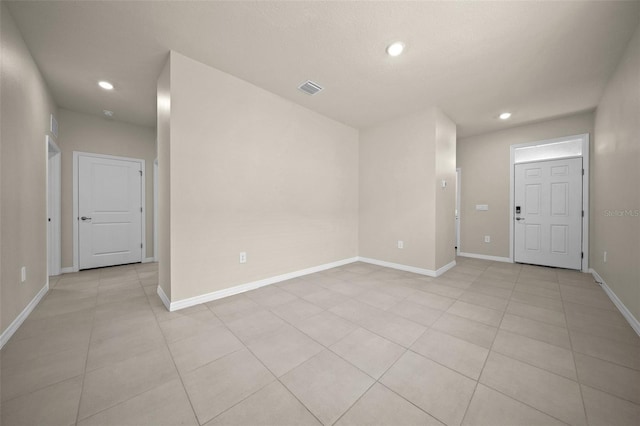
column 68, row 270
column 76, row 233
column 626, row 313
column 486, row 257
column 585, row 191
column 155, row 208
column 13, row 327
column 164, row 298
column 192, row 301
column 407, row 268
column 148, row 260
column 54, row 203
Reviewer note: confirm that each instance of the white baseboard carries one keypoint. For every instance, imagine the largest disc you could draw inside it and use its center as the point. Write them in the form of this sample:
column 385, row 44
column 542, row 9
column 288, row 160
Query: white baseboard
column 192, row 301
column 164, row 298
column 407, row 268
column 626, row 313
column 13, row 327
column 485, row 257
column 148, row 259
column 68, row 270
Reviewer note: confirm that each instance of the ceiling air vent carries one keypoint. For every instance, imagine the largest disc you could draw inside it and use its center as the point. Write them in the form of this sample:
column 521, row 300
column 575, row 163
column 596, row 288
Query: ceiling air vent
column 310, row 88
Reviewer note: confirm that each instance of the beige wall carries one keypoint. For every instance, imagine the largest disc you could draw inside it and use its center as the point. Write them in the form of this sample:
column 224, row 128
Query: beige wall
column 164, row 179
column 616, row 181
column 253, row 172
column 88, row 133
column 484, row 163
column 26, row 106
column 399, row 190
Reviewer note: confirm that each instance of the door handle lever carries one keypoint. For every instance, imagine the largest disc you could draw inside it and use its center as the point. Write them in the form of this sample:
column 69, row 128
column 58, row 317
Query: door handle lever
column 85, row 218
column 519, row 218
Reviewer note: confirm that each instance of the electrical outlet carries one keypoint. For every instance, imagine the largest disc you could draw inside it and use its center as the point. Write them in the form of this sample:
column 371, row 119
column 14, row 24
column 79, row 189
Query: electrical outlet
column 23, row 274
column 400, row 244
column 605, row 256
column 487, row 238
column 243, row 257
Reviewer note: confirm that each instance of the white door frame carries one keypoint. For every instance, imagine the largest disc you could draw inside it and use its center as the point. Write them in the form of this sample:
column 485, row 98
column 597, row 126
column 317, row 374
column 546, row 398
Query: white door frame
column 76, row 218
column 155, row 210
column 584, row 139
column 53, row 193
column 458, row 199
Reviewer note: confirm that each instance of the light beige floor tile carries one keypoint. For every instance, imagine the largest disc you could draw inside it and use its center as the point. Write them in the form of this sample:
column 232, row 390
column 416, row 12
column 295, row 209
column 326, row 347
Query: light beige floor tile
column 558, row 336
column 271, row 405
column 466, row 329
column 118, row 348
column 326, row 299
column 223, row 383
column 300, row 287
column 345, row 288
column 255, row 325
column 54, row 405
column 552, row 394
column 537, row 313
column 540, row 301
column 551, row 291
column 108, row 386
column 53, row 307
column 612, row 378
column 79, row 320
column 493, row 288
column 189, row 325
column 123, row 325
column 394, row 328
column 442, row 290
column 378, row 299
column 31, row 375
column 382, row 407
column 489, row 407
column 270, row 296
column 431, row 300
column 326, row 328
column 162, row 314
column 603, row 408
column 164, row 405
column 196, row 351
column 296, row 311
column 355, row 311
column 476, row 313
column 590, row 297
column 415, row 312
column 369, row 352
column 608, row 350
column 457, row 354
column 284, row 349
column 600, row 322
column 233, row 307
column 535, row 352
column 119, row 294
column 400, row 289
column 480, row 299
column 327, row 385
column 441, row 392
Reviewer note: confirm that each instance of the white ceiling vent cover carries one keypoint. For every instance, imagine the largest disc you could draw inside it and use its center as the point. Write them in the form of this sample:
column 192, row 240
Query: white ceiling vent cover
column 310, row 88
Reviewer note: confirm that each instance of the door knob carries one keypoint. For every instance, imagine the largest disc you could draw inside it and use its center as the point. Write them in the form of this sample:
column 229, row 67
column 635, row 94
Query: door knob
column 85, row 218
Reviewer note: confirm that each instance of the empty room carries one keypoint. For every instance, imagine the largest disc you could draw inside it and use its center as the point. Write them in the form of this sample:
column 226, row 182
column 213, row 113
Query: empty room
column 319, row 213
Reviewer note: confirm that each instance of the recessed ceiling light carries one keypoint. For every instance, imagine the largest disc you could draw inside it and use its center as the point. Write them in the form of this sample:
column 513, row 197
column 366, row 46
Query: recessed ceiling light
column 107, row 112
column 105, row 85
column 395, row 49
column 505, row 116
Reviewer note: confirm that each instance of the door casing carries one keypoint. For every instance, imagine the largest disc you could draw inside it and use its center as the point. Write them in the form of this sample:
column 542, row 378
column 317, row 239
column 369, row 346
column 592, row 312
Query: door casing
column 76, row 230
column 549, row 146
column 54, row 155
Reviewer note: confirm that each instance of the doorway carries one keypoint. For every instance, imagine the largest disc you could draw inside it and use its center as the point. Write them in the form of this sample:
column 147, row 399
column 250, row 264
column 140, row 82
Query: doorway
column 109, row 218
column 54, row 156
column 550, row 203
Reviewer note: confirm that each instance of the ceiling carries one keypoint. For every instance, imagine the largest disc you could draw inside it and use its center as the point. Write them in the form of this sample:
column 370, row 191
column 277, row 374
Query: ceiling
column 474, row 60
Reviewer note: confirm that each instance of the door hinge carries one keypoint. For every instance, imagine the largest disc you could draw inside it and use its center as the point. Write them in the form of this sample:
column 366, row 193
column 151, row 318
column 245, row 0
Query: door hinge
column 581, row 255
column 582, row 172
column 141, row 211
column 582, row 213
column 140, row 245
column 140, row 172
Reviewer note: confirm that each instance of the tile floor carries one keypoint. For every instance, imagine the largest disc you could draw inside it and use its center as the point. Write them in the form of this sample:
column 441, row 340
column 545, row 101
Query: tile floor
column 485, row 344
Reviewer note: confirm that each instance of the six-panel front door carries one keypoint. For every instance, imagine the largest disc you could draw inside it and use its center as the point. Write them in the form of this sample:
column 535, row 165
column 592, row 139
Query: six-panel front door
column 110, row 216
column 548, row 213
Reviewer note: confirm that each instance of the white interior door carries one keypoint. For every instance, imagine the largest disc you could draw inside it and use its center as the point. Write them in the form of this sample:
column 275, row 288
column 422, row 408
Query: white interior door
column 548, row 213
column 110, row 211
